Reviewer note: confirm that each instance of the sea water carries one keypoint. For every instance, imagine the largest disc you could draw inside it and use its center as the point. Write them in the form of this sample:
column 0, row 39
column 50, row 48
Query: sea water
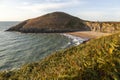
column 17, row 49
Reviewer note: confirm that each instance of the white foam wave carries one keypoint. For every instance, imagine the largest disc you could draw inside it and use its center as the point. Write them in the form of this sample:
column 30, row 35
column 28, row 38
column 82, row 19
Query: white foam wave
column 75, row 40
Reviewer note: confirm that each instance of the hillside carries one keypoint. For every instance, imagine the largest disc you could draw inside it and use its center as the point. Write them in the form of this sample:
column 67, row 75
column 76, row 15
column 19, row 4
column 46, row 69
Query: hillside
column 58, row 22
column 52, row 22
column 98, row 59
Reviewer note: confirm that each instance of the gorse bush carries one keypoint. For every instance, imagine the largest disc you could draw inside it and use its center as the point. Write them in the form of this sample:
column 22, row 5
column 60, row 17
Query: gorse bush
column 98, row 59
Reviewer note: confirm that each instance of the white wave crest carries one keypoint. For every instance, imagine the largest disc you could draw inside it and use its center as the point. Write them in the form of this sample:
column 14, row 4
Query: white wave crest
column 75, row 40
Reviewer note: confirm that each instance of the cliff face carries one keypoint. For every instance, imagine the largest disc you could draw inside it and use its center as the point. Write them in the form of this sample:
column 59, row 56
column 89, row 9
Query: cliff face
column 109, row 27
column 53, row 22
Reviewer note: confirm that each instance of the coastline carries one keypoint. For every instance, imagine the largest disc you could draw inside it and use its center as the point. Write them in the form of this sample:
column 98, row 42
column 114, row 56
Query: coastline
column 88, row 34
column 83, row 36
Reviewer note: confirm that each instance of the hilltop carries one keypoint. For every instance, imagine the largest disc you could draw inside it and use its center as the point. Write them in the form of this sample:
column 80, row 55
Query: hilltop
column 52, row 22
column 58, row 22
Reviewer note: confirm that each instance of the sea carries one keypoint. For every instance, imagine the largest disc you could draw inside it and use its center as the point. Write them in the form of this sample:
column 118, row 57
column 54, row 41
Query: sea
column 17, row 49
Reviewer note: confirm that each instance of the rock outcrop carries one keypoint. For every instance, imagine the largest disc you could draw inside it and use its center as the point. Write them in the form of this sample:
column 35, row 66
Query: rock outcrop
column 53, row 22
column 107, row 27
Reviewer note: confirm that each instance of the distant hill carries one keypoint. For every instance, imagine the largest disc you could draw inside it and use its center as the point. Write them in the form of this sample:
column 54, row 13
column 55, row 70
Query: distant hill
column 58, row 22
column 52, row 22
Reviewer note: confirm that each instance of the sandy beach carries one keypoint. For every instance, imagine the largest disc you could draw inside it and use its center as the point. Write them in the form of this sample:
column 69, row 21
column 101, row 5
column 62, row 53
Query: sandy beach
column 88, row 34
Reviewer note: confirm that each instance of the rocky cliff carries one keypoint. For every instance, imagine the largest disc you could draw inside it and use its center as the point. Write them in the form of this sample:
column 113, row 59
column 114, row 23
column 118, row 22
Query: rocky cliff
column 109, row 27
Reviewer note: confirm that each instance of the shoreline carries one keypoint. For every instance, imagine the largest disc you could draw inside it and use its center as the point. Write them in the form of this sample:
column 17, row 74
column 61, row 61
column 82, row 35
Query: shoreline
column 88, row 34
column 75, row 39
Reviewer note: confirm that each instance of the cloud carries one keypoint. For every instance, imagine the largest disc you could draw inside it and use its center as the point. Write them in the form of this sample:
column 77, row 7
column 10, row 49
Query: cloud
column 25, row 9
column 85, row 9
column 99, row 15
column 50, row 5
column 53, row 0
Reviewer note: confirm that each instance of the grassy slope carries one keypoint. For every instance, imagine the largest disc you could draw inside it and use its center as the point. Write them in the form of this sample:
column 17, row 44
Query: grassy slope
column 98, row 59
column 52, row 22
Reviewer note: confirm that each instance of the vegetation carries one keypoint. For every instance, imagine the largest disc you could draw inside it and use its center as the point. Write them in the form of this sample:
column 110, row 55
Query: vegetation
column 51, row 23
column 60, row 22
column 98, row 59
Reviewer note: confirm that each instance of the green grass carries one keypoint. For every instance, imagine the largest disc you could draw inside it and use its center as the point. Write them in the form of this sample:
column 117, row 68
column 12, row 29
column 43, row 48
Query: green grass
column 98, row 59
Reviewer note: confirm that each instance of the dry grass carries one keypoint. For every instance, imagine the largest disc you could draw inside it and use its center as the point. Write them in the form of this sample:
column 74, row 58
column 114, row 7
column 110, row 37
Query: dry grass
column 98, row 59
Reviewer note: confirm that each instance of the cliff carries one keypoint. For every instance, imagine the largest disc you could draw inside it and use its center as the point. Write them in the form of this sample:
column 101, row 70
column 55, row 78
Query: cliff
column 107, row 27
column 52, row 22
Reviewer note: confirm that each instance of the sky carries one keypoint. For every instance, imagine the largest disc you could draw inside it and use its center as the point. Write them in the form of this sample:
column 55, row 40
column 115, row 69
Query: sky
column 94, row 10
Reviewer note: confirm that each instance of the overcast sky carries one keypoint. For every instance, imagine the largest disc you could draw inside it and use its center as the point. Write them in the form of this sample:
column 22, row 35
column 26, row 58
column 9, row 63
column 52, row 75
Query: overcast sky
column 96, row 10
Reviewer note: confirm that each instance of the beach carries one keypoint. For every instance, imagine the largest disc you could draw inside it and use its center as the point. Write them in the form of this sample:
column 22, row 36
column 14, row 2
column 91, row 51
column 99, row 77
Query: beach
column 88, row 34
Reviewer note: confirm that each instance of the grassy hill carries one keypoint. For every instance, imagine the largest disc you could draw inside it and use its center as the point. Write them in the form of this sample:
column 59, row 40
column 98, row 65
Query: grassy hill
column 98, row 59
column 58, row 22
column 55, row 22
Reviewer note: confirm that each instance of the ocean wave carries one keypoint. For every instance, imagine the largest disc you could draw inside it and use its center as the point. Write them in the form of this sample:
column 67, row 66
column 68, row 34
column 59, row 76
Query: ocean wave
column 75, row 40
